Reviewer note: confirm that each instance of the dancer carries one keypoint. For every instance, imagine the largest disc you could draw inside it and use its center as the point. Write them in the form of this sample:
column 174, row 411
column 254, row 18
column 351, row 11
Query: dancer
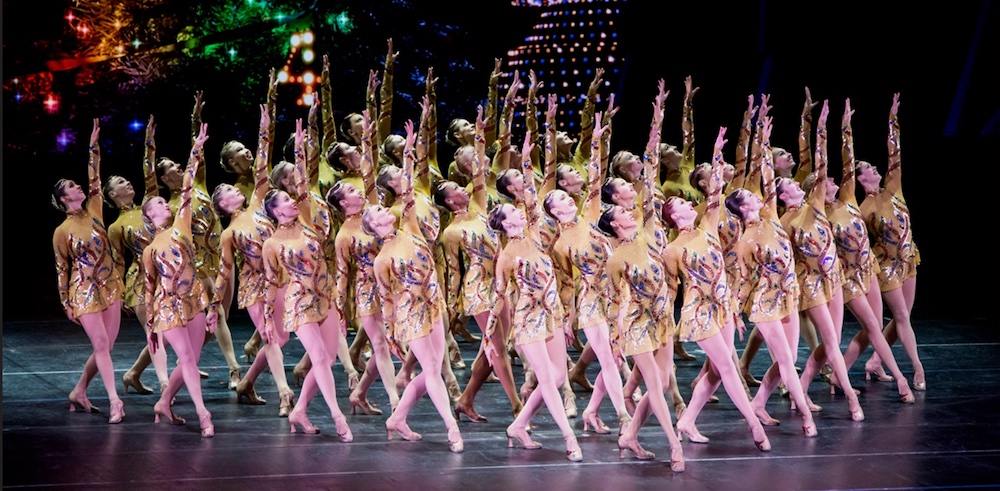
column 90, row 288
column 175, row 298
column 470, row 247
column 409, row 298
column 861, row 294
column 248, row 229
column 768, row 289
column 695, row 257
column 818, row 269
column 129, row 233
column 579, row 256
column 533, row 300
column 295, row 270
column 356, row 252
column 642, row 302
column 888, row 220
column 206, row 229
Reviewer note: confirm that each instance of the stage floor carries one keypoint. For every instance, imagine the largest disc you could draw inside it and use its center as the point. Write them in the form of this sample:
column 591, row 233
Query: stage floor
column 949, row 438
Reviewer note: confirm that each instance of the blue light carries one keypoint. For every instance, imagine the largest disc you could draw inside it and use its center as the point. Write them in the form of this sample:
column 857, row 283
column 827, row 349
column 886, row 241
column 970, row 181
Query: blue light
column 136, row 125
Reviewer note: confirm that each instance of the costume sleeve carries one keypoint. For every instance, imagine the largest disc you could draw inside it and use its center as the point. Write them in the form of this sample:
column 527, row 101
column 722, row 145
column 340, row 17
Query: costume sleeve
column 583, row 147
column 805, row 146
column 846, row 192
column 385, row 99
column 453, row 274
column 491, row 109
column 149, row 171
column 742, row 146
column 893, row 176
column 61, row 247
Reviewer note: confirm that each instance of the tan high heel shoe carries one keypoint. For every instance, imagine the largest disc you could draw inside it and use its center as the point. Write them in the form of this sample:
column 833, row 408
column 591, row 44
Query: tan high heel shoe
column 286, row 405
column 130, row 379
column 876, row 370
column 163, row 409
column 403, row 429
column 918, row 381
column 573, row 451
column 591, row 419
column 365, row 406
column 633, row 446
column 234, row 378
column 246, row 391
column 469, row 412
column 79, row 402
column 692, row 433
column 521, row 435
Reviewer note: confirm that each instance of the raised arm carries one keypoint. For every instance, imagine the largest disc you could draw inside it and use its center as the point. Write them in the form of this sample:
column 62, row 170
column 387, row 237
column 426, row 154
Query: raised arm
column 312, row 146
column 687, row 128
column 531, row 120
column 95, row 198
column 805, row 146
column 651, row 157
column 743, row 145
column 531, row 207
column 367, row 164
column 432, row 125
column 893, row 178
column 200, row 178
column 422, row 176
column 606, row 143
column 753, row 180
column 817, row 196
column 583, row 148
column 847, row 182
column 408, row 217
column 502, row 157
column 769, row 194
column 182, row 221
column 385, row 96
column 491, row 104
column 479, row 165
column 551, row 157
column 149, row 163
column 592, row 203
column 272, row 113
column 326, row 99
column 261, row 166
column 299, row 182
column 710, row 220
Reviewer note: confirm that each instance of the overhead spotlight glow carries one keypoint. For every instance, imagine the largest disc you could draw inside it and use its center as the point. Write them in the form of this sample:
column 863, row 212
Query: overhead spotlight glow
column 308, row 77
column 283, row 76
column 308, row 55
column 307, row 37
column 296, row 40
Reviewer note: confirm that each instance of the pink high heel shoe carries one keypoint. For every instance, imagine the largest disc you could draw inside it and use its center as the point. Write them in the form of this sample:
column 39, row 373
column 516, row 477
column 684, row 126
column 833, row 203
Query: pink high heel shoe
column 876, row 370
column 455, row 442
column 343, row 431
column 80, row 403
column 521, row 435
column 117, row 412
column 633, row 446
column 591, row 419
column 403, row 429
column 692, row 433
column 161, row 408
column 207, row 428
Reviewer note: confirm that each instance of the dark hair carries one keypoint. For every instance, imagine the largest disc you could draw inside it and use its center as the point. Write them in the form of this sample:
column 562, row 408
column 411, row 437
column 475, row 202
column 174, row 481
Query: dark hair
column 270, row 204
column 161, row 169
column 382, row 181
column 561, row 171
column 107, row 190
column 701, row 171
column 496, row 218
column 441, row 194
column 504, row 180
column 216, row 200
column 547, row 202
column 391, row 143
column 333, row 155
column 58, row 191
column 227, row 154
column 604, row 223
column 733, row 203
column 345, row 127
column 335, row 194
column 781, row 183
column 608, row 192
column 665, row 211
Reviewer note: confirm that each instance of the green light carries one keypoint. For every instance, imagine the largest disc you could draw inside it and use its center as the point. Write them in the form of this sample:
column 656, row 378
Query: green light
column 344, row 23
column 232, row 53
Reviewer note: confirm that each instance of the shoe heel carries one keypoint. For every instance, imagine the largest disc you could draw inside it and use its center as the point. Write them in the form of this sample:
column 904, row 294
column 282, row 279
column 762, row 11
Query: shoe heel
column 510, row 441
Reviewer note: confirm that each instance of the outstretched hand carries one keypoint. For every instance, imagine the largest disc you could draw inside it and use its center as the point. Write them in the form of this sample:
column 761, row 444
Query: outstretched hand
column 150, row 132
column 199, row 141
column 689, row 89
column 95, row 134
column 848, row 112
column 550, row 112
column 212, row 320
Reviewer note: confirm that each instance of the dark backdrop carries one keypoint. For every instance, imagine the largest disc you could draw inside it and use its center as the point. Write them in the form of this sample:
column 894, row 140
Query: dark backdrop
column 943, row 60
